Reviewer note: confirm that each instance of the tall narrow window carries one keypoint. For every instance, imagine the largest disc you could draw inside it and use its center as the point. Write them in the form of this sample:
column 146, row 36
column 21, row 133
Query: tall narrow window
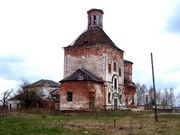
column 95, row 19
column 69, row 96
column 114, row 66
column 133, row 100
column 119, row 72
column 115, row 84
column 109, row 97
column 90, row 20
column 120, row 98
column 109, row 68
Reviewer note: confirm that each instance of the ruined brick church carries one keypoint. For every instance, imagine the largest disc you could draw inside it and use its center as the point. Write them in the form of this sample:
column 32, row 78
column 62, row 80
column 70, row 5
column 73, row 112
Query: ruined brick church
column 96, row 76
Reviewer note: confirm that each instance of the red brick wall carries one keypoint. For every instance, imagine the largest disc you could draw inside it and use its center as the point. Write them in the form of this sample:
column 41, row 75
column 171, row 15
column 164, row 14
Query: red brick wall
column 128, row 71
column 95, row 59
column 47, row 104
column 81, row 93
column 97, row 50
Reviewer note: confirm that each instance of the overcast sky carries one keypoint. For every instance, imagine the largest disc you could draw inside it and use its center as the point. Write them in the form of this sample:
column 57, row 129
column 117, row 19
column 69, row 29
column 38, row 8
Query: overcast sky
column 33, row 32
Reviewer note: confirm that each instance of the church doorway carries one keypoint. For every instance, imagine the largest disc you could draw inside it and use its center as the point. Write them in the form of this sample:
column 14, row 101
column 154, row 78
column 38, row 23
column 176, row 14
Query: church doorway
column 91, row 103
column 115, row 104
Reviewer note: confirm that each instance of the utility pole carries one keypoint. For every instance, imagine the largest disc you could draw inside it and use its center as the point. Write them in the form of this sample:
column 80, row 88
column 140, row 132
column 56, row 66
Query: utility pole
column 155, row 106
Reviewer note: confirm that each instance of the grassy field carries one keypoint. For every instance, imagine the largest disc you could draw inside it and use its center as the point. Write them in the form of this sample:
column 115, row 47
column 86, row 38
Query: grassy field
column 90, row 123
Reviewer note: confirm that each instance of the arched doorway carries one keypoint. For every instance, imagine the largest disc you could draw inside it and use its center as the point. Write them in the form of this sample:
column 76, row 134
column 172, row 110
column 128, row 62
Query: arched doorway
column 115, row 104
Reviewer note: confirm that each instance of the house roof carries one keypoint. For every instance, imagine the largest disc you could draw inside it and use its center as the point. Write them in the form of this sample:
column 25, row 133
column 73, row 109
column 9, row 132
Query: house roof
column 127, row 61
column 82, row 75
column 92, row 37
column 16, row 97
column 128, row 83
column 55, row 91
column 42, row 83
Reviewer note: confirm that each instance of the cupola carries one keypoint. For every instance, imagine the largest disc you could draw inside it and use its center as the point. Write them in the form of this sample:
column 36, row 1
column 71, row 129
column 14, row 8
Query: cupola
column 95, row 17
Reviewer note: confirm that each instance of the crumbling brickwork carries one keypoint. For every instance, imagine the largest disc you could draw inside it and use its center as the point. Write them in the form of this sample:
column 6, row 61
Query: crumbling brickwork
column 94, row 58
column 128, row 70
column 82, row 92
column 95, row 52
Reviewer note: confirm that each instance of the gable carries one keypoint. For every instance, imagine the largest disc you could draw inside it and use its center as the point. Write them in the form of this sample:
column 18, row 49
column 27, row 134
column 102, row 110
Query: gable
column 82, row 75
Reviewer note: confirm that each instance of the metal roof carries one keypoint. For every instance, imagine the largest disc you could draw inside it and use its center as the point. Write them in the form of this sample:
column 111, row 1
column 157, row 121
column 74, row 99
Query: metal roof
column 43, row 83
column 92, row 37
column 82, row 75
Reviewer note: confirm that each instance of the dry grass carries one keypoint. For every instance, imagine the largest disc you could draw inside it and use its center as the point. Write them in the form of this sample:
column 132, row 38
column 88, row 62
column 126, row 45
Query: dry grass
column 128, row 126
column 105, row 123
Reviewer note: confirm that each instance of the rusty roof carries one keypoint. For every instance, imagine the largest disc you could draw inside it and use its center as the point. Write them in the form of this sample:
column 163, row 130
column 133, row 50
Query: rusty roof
column 43, row 83
column 127, row 61
column 95, row 9
column 82, row 75
column 92, row 37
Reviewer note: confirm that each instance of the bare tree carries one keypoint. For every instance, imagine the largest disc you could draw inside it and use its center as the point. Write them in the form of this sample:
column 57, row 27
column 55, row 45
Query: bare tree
column 5, row 97
column 172, row 97
column 166, row 96
column 151, row 96
column 23, row 84
column 146, row 96
column 28, row 96
column 141, row 94
column 178, row 100
column 158, row 97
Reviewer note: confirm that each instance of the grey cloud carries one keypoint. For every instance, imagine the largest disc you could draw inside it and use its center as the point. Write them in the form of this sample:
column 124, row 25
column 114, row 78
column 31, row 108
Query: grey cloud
column 161, row 82
column 11, row 67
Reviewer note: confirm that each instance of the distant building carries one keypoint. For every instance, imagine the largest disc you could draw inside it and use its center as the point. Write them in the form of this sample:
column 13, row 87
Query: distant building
column 96, row 76
column 47, row 90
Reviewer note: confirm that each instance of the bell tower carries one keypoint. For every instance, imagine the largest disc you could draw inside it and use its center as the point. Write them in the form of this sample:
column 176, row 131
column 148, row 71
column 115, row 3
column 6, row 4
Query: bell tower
column 95, row 17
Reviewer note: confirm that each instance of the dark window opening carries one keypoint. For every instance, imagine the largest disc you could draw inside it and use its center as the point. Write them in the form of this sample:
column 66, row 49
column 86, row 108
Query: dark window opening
column 109, row 68
column 133, row 100
column 120, row 98
column 109, row 97
column 90, row 20
column 85, row 42
column 114, row 66
column 119, row 71
column 69, row 96
column 95, row 19
column 115, row 84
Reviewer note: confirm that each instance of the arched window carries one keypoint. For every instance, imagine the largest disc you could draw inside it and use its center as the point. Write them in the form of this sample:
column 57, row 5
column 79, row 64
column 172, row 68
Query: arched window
column 109, row 97
column 133, row 100
column 120, row 98
column 95, row 19
column 114, row 66
column 109, row 68
column 119, row 72
column 115, row 83
column 90, row 20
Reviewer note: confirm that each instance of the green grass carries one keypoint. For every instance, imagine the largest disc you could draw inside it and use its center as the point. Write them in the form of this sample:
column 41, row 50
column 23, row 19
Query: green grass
column 90, row 123
column 37, row 125
column 171, row 116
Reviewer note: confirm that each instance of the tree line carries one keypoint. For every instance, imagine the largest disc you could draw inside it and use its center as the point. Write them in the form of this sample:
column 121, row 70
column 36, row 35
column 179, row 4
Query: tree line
column 164, row 97
column 27, row 98
column 145, row 96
